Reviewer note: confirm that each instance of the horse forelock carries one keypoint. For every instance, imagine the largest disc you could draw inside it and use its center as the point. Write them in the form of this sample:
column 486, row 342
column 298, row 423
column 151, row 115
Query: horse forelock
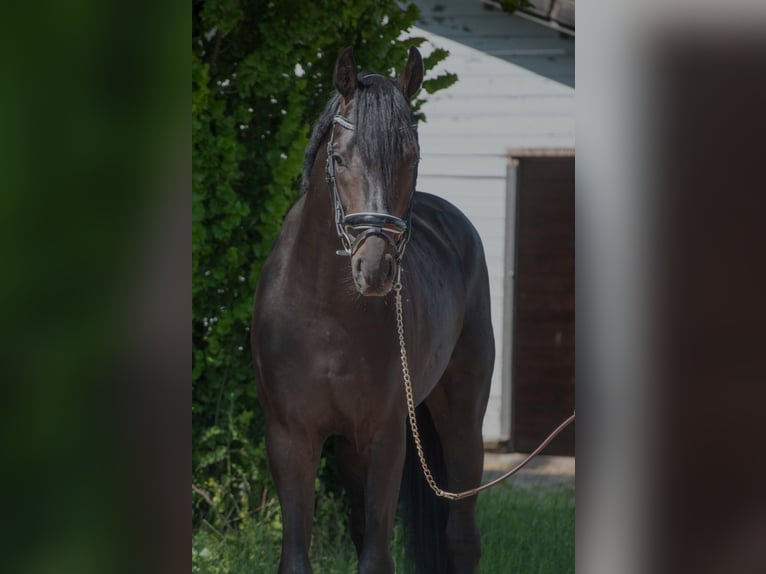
column 382, row 120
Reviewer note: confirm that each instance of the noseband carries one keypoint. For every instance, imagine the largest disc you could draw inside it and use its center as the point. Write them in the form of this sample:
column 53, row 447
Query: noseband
column 354, row 228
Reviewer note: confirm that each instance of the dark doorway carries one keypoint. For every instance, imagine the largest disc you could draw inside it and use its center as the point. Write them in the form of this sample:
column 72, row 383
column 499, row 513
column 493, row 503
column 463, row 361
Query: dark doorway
column 543, row 329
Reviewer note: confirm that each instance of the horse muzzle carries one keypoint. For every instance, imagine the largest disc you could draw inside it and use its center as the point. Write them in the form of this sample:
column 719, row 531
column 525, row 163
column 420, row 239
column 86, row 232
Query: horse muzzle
column 374, row 265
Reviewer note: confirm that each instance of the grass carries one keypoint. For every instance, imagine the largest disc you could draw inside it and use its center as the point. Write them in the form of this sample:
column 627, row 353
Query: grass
column 527, row 530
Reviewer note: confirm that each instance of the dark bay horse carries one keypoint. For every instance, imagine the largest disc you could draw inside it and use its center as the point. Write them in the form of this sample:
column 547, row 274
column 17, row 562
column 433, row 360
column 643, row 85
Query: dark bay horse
column 324, row 333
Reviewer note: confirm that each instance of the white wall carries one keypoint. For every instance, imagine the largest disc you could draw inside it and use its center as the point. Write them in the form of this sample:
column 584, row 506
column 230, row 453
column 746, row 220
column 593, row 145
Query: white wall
column 494, row 106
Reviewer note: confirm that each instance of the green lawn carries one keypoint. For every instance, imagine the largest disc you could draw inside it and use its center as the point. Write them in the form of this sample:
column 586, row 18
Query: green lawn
column 526, row 530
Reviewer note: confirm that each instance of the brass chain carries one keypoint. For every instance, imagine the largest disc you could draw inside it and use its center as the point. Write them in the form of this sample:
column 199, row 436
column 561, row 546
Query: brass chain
column 414, row 423
column 408, row 391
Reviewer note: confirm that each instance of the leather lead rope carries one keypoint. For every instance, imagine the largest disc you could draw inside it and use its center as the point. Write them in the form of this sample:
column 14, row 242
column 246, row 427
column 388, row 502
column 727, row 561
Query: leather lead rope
column 414, row 423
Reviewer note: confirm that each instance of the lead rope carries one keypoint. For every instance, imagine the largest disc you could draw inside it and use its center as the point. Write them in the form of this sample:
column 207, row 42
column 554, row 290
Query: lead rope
column 414, row 423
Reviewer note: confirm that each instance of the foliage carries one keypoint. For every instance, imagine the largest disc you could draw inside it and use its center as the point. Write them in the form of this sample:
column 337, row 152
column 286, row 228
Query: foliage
column 261, row 73
column 511, row 6
column 255, row 546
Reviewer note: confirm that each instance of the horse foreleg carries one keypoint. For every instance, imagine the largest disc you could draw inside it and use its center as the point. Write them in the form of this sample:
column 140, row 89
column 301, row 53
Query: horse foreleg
column 386, row 459
column 294, row 458
column 353, row 472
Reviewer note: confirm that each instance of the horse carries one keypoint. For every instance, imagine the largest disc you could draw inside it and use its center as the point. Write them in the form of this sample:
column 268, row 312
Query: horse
column 324, row 334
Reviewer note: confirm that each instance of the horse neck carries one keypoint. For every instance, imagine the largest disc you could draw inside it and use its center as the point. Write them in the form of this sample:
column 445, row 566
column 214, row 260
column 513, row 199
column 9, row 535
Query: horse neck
column 317, row 239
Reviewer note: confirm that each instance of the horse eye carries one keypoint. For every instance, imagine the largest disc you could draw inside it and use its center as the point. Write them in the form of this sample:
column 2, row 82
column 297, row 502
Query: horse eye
column 337, row 159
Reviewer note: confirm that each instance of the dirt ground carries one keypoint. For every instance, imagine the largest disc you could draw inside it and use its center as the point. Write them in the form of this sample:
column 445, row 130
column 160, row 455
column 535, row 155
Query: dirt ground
column 542, row 470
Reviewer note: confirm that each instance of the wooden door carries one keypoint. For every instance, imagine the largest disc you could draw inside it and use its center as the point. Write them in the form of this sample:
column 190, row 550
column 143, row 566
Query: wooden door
column 543, row 329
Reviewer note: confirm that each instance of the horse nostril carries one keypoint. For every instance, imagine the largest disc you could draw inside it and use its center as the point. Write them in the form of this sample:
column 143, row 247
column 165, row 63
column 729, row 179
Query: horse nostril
column 358, row 266
column 390, row 271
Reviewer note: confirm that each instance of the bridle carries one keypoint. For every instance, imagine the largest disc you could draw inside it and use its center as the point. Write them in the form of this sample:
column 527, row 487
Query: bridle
column 354, row 228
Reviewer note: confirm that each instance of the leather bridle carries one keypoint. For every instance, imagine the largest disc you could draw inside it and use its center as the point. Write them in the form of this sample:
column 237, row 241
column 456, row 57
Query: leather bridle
column 353, row 229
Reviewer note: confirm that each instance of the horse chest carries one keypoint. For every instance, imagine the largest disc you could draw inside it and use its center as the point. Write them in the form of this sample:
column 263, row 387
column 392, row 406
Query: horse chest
column 342, row 355
column 325, row 350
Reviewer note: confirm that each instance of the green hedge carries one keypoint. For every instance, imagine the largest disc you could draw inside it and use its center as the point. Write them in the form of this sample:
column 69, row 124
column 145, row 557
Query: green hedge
column 261, row 74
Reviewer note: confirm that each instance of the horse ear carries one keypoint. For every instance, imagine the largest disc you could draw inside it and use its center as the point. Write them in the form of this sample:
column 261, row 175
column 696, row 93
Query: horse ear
column 344, row 75
column 411, row 77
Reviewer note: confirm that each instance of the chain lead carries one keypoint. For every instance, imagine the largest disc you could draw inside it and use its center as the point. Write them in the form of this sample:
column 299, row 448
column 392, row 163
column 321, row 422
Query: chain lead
column 414, row 423
column 408, row 392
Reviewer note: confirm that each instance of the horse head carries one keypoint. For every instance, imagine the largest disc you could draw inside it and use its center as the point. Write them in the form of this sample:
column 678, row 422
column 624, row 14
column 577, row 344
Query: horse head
column 372, row 160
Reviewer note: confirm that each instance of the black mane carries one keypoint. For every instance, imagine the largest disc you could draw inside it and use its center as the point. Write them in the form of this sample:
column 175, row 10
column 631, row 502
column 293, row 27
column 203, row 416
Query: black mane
column 382, row 118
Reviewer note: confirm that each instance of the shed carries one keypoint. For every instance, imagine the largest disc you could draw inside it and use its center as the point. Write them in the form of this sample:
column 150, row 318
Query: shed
column 515, row 92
